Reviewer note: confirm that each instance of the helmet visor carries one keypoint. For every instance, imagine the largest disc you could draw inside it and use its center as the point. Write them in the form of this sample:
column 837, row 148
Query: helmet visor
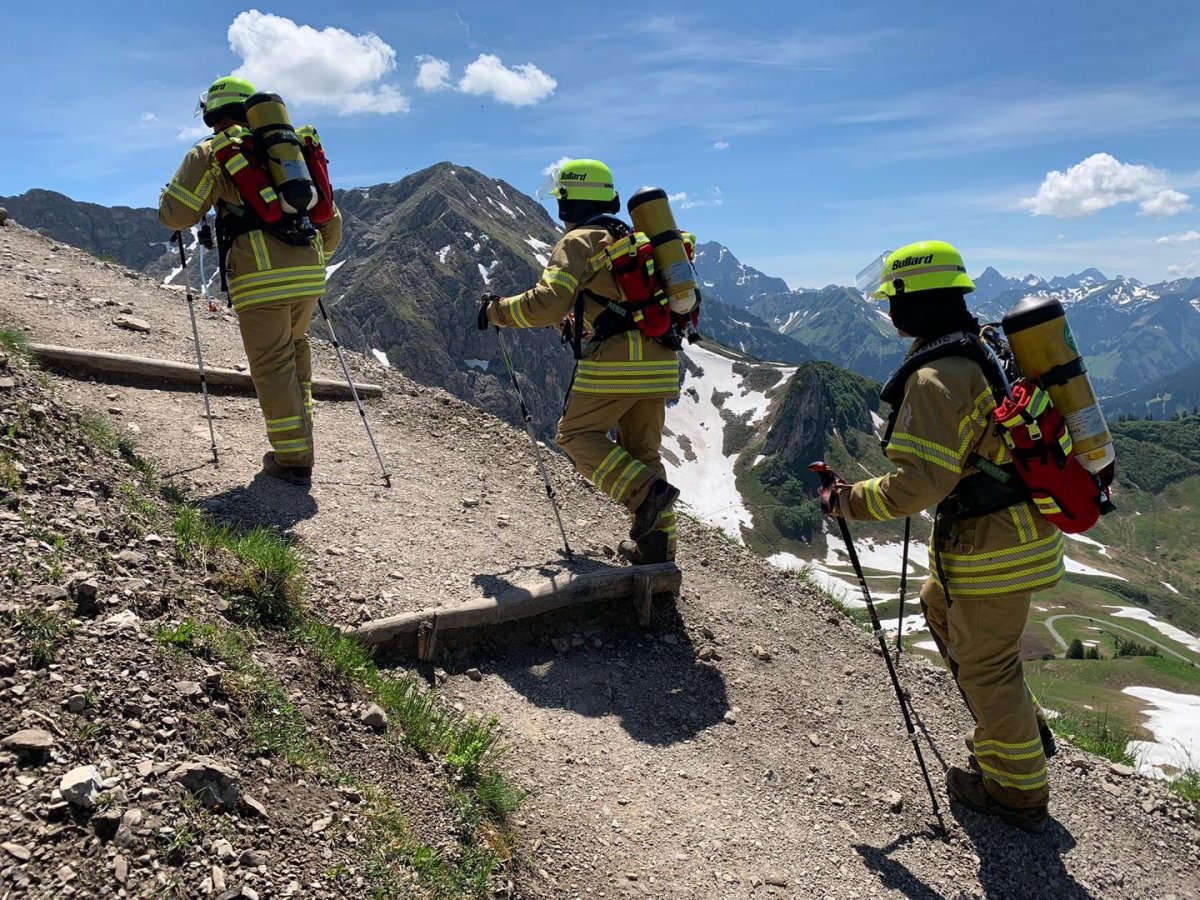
column 870, row 279
column 550, row 188
column 200, row 104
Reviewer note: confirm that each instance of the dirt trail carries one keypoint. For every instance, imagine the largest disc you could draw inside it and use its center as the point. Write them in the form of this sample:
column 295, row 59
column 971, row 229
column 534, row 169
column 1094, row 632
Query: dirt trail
column 652, row 773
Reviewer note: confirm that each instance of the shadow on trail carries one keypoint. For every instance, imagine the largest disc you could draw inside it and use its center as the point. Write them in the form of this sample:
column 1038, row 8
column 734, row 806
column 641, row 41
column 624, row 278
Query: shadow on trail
column 1015, row 864
column 265, row 501
column 607, row 666
column 894, row 874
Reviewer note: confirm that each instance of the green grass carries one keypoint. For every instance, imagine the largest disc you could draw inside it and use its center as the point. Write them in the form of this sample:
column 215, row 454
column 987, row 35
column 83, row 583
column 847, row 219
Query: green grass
column 99, row 432
column 10, row 478
column 42, row 632
column 1187, row 786
column 1097, row 733
column 259, row 572
column 14, row 340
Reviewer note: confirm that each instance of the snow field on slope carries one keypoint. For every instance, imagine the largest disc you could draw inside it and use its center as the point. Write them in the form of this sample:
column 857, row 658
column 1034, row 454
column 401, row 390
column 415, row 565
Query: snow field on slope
column 1174, row 720
column 1165, row 628
column 381, row 356
column 707, row 483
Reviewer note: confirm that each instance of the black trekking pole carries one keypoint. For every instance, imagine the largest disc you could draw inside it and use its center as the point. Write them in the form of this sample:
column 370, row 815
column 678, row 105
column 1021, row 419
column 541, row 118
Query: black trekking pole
column 537, row 451
column 362, row 410
column 903, row 589
column 827, row 479
column 191, row 302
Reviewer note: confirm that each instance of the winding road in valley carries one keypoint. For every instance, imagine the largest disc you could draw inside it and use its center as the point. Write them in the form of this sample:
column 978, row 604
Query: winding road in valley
column 1049, row 623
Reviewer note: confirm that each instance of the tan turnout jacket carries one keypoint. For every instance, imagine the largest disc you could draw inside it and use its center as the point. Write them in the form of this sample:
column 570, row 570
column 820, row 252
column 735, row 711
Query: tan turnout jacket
column 260, row 268
column 944, row 418
column 625, row 364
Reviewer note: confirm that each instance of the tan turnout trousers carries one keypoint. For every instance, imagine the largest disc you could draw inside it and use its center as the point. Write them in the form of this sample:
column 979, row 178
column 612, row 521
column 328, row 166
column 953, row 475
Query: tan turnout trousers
column 625, row 469
column 275, row 336
column 980, row 639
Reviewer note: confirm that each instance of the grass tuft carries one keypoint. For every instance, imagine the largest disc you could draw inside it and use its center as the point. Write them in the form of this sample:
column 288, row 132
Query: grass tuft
column 259, row 571
column 10, row 478
column 14, row 340
column 99, row 432
column 1099, row 734
column 43, row 632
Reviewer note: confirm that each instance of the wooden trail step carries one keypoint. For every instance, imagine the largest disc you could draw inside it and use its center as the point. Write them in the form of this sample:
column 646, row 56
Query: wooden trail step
column 422, row 633
column 178, row 372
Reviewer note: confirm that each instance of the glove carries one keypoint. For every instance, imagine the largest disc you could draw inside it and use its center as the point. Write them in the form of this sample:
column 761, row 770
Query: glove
column 830, row 483
column 481, row 320
column 205, row 236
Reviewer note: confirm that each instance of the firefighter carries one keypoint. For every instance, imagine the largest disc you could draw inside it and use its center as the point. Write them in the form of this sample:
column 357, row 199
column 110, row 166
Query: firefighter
column 274, row 280
column 984, row 564
column 623, row 380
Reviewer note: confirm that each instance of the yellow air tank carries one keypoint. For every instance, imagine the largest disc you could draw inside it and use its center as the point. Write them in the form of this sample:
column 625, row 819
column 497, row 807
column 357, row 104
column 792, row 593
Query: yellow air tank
column 274, row 135
column 651, row 214
column 1041, row 340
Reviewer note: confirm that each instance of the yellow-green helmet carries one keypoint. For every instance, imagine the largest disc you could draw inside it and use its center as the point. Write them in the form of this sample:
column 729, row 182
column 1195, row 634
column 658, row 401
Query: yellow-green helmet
column 923, row 266
column 584, row 179
column 228, row 94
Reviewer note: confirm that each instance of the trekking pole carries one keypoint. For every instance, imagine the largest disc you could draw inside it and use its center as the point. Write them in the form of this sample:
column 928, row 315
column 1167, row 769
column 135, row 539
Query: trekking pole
column 362, row 410
column 537, row 451
column 191, row 302
column 903, row 589
column 827, row 479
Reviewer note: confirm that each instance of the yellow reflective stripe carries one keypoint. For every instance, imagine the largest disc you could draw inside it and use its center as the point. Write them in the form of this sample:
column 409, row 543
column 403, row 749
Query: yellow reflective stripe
column 513, row 307
column 979, row 415
column 280, row 294
column 1023, row 534
column 561, row 278
column 306, row 286
column 1030, row 782
column 258, row 243
column 236, row 163
column 926, row 450
column 1025, row 745
column 608, row 464
column 627, row 477
column 268, row 194
column 600, row 367
column 1046, row 505
column 1006, row 577
column 291, row 446
column 287, row 273
column 968, row 570
column 1004, row 754
column 873, row 496
column 1013, row 554
column 637, row 347
column 184, row 196
column 307, row 131
column 287, row 424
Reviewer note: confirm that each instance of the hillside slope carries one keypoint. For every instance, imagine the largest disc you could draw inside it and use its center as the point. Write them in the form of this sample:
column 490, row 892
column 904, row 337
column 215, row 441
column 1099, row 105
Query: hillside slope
column 657, row 767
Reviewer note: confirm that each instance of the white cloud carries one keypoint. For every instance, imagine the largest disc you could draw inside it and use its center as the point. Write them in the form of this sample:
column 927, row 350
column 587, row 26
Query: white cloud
column 1183, row 237
column 521, row 85
column 433, row 74
column 1189, row 268
column 193, row 133
column 684, row 200
column 147, row 118
column 330, row 67
column 721, row 145
column 551, row 171
column 1102, row 181
column 1166, row 204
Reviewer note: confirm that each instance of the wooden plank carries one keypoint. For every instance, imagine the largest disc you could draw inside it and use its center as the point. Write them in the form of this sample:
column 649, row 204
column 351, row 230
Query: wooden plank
column 643, row 598
column 178, row 372
column 558, row 593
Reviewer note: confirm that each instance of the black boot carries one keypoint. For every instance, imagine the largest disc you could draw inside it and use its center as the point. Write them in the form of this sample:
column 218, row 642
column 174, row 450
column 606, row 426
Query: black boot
column 1049, row 747
column 298, row 475
column 649, row 550
column 658, row 501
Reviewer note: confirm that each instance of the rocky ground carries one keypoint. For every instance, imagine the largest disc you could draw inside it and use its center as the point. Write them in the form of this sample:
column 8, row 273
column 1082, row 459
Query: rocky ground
column 748, row 746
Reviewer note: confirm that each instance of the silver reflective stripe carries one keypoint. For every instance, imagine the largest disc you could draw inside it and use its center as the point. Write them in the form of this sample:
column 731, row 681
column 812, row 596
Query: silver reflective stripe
column 927, row 270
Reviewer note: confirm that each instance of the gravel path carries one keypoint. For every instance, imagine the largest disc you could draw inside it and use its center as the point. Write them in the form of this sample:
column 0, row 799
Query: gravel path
column 745, row 747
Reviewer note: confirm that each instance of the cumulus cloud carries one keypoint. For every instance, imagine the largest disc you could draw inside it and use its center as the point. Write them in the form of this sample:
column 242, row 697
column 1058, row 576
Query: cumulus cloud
column 1189, row 268
column 1102, row 181
column 1183, row 237
column 721, row 145
column 147, row 118
column 193, row 133
column 433, row 74
column 521, row 85
column 684, row 200
column 551, row 171
column 330, row 67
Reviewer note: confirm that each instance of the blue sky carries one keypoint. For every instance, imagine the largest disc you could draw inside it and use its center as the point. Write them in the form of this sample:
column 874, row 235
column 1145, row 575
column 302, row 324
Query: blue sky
column 807, row 137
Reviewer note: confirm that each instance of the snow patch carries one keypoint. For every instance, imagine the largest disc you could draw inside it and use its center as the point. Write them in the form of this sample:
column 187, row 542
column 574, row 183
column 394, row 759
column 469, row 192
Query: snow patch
column 1078, row 568
column 536, row 244
column 1144, row 615
column 329, row 270
column 1084, row 539
column 443, row 253
column 706, row 479
column 542, row 259
column 927, row 645
column 478, row 364
column 1174, row 720
column 381, row 356
column 485, row 272
column 1170, row 587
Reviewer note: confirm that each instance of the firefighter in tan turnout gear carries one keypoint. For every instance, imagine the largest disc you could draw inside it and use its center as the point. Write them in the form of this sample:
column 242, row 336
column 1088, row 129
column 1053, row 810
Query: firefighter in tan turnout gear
column 275, row 276
column 623, row 379
column 984, row 567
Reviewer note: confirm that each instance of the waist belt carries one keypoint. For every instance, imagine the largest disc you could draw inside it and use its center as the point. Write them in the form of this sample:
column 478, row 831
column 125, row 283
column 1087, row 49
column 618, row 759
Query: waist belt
column 991, row 490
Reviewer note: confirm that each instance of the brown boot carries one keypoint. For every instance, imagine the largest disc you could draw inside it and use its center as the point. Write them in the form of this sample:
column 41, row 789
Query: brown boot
column 298, row 475
column 649, row 550
column 968, row 789
column 657, row 501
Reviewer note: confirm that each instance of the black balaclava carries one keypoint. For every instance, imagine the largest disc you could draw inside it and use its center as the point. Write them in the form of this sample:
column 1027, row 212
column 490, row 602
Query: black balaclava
column 933, row 313
column 576, row 211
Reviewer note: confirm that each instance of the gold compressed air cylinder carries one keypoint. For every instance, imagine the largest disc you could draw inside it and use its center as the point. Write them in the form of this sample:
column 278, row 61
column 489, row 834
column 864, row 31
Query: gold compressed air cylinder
column 651, row 213
column 273, row 133
column 1040, row 336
